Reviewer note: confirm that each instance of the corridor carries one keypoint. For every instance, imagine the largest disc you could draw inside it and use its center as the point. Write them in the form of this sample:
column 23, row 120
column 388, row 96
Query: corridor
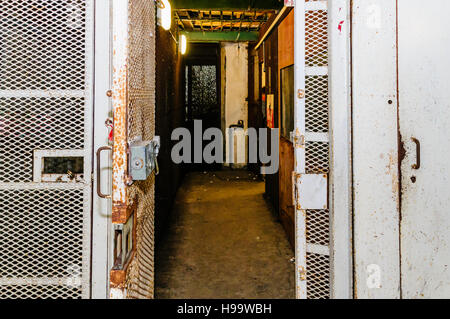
column 224, row 242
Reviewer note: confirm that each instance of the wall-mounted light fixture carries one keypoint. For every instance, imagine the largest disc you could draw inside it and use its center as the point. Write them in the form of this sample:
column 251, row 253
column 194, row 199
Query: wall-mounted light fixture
column 183, row 44
column 164, row 14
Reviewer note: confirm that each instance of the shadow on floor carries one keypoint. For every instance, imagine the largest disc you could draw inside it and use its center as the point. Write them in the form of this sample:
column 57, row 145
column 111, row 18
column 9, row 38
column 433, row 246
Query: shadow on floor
column 223, row 242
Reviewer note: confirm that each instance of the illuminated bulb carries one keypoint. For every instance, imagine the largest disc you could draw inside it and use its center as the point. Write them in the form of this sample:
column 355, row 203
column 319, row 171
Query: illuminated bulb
column 183, row 44
column 166, row 15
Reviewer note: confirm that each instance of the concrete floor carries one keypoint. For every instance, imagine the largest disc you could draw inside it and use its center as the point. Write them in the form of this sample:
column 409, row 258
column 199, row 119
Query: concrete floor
column 224, row 242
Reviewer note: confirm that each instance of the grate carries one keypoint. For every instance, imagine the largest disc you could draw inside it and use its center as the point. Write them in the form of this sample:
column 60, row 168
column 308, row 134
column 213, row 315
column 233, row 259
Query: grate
column 317, row 227
column 141, row 72
column 316, row 36
column 318, row 276
column 45, row 104
column 31, row 232
column 317, row 151
column 42, row 42
column 141, row 124
column 317, row 104
column 317, row 157
column 29, row 124
column 39, row 292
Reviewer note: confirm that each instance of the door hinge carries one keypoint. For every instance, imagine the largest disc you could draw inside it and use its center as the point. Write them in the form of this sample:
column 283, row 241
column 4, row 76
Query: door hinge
column 297, row 139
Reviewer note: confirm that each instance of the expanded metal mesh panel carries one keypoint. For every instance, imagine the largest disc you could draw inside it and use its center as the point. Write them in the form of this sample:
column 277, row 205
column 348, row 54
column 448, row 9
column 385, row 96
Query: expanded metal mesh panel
column 141, row 69
column 316, row 25
column 45, row 105
column 317, row 152
column 318, row 276
column 141, row 124
column 31, row 228
column 28, row 124
column 317, row 157
column 316, row 112
column 41, row 44
column 39, row 292
column 318, row 227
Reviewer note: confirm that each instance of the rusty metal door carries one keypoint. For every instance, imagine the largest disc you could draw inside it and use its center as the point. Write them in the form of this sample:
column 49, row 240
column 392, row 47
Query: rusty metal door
column 46, row 72
column 311, row 148
column 424, row 114
column 133, row 94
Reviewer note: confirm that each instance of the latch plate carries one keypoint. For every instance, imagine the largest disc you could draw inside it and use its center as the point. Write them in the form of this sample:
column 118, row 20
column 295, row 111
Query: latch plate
column 144, row 158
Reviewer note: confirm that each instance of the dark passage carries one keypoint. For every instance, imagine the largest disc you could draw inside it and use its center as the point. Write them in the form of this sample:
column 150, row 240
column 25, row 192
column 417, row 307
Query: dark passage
column 224, row 242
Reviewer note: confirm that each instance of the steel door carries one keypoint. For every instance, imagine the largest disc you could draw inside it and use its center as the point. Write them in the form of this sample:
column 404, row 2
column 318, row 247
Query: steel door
column 311, row 149
column 133, row 95
column 45, row 147
column 424, row 113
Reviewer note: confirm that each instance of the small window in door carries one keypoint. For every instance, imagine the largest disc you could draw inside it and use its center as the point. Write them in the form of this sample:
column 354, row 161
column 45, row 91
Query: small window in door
column 58, row 166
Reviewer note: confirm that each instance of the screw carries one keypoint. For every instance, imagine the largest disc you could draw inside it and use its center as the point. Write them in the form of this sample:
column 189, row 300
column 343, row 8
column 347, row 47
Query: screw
column 413, row 179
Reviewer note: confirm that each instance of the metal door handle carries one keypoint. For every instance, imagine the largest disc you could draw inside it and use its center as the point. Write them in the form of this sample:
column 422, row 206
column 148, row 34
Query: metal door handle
column 99, row 189
column 417, row 165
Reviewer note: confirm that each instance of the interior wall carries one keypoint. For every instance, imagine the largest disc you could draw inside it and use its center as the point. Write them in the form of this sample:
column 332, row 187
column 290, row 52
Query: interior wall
column 285, row 59
column 255, row 113
column 235, row 88
column 170, row 114
column 268, row 63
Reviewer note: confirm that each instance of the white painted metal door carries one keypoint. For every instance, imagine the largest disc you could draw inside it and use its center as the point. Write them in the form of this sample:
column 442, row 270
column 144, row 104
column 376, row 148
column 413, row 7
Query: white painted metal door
column 311, row 149
column 424, row 113
column 46, row 82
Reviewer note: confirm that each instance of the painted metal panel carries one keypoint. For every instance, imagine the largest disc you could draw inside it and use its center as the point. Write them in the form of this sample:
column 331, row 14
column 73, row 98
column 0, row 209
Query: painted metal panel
column 340, row 189
column 101, row 216
column 312, row 191
column 299, row 145
column 424, row 112
column 375, row 150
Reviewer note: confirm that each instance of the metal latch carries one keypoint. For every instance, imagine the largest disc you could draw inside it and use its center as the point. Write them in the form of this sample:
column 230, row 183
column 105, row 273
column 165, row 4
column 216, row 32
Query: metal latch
column 144, row 159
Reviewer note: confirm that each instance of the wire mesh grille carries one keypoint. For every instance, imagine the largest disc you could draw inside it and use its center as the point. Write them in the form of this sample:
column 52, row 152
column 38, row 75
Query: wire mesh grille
column 141, row 124
column 45, row 103
column 317, row 227
column 317, row 153
column 317, row 104
column 39, row 292
column 316, row 28
column 28, row 124
column 317, row 157
column 32, row 232
column 318, row 276
column 42, row 41
column 141, row 73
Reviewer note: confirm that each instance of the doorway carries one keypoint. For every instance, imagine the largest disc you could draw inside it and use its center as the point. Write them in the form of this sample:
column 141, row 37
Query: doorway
column 202, row 82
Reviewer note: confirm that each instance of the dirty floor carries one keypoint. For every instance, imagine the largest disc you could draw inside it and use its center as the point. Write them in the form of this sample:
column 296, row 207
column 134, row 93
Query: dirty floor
column 223, row 242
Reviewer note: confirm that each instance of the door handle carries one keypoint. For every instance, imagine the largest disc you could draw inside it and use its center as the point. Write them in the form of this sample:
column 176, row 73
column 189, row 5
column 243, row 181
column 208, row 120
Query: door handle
column 417, row 142
column 99, row 189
